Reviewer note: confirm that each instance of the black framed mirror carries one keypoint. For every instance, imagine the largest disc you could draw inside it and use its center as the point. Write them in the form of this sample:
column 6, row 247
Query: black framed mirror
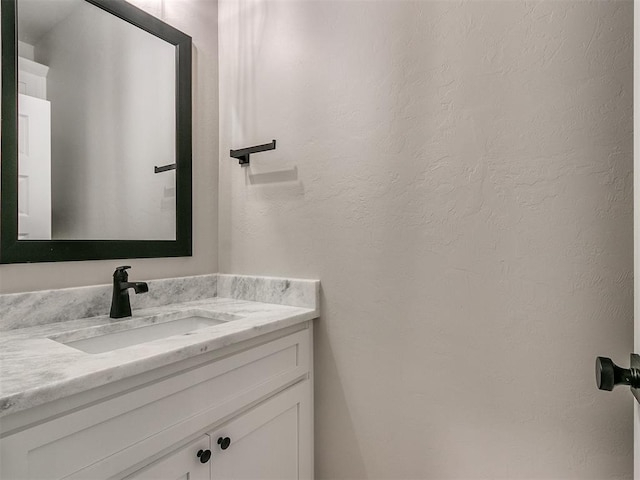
column 113, row 145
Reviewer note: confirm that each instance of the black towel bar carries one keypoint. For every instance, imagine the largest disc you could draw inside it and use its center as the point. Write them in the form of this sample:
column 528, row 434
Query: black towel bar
column 243, row 154
column 164, row 168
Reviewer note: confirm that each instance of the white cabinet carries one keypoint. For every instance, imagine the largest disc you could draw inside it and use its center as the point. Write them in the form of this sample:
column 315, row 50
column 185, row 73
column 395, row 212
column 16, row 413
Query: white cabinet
column 266, row 442
column 32, row 78
column 259, row 394
column 179, row 465
column 269, row 441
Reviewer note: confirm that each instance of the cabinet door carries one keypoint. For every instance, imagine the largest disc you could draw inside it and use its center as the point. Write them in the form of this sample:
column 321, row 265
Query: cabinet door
column 271, row 441
column 183, row 464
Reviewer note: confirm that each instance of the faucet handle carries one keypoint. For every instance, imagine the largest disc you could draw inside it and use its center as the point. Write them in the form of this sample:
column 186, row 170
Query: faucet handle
column 121, row 272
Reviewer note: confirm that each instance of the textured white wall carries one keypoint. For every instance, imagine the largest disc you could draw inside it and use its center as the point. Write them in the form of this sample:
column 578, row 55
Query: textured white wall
column 197, row 18
column 459, row 176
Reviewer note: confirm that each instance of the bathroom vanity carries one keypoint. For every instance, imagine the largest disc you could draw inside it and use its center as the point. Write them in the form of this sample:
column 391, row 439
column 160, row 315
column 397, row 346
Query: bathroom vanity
column 230, row 395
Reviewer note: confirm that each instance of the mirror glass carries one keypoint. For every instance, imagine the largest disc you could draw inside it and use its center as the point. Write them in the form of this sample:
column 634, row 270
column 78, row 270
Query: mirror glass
column 96, row 118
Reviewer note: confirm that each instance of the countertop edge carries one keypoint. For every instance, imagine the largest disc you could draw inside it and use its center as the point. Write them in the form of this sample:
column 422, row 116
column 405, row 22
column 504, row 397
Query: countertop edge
column 20, row 401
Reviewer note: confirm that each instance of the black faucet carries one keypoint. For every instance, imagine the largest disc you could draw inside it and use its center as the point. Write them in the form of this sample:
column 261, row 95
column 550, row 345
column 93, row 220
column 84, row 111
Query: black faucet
column 120, row 305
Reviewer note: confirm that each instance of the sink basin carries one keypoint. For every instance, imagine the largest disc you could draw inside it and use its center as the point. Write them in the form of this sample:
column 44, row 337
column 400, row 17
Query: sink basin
column 137, row 334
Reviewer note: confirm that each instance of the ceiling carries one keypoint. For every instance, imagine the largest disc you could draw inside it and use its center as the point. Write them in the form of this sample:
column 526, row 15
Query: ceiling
column 37, row 17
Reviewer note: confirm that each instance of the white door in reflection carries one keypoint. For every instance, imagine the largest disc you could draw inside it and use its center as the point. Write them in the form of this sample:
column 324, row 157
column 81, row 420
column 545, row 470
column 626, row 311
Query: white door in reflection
column 34, row 168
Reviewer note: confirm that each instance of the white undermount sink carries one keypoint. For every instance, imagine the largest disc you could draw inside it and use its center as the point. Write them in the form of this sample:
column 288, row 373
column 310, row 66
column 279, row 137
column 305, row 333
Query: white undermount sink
column 138, row 333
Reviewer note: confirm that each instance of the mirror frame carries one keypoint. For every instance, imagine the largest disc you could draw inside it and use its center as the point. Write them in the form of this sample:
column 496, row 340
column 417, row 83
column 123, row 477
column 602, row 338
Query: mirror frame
column 13, row 250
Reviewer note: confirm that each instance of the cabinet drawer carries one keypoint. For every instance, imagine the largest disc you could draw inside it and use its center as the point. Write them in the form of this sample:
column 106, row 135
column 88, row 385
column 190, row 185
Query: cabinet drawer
column 153, row 417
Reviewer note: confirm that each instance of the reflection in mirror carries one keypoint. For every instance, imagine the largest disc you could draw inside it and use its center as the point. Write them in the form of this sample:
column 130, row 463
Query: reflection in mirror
column 96, row 114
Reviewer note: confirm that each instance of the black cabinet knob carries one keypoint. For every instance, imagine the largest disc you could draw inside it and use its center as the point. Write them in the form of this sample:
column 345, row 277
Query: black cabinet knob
column 224, row 442
column 204, row 455
column 608, row 375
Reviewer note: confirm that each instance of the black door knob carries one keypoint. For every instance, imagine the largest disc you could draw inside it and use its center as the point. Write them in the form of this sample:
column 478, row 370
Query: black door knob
column 224, row 442
column 608, row 375
column 204, row 455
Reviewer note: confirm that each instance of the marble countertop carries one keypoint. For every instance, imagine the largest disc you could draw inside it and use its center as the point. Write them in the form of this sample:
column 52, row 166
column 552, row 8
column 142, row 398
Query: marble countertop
column 35, row 369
